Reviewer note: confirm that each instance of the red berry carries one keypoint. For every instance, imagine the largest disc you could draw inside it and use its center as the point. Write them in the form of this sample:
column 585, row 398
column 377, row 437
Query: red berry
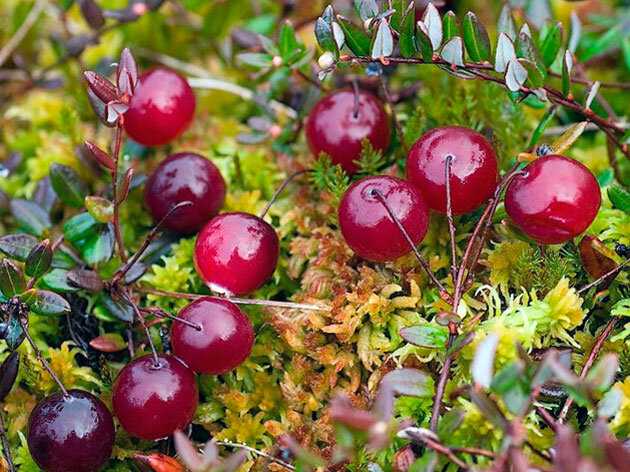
column 366, row 225
column 555, row 200
column 72, row 433
column 334, row 128
column 236, row 253
column 162, row 107
column 180, row 177
column 473, row 168
column 153, row 401
column 224, row 341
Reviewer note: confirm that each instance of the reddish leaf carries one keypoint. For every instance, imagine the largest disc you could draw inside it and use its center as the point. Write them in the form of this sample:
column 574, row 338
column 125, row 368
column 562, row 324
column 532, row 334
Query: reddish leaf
column 596, row 257
column 125, row 185
column 8, row 373
column 92, row 13
column 86, row 279
column 189, row 455
column 110, row 342
column 159, row 462
column 127, row 73
column 100, row 156
column 403, row 459
column 567, row 452
column 101, row 87
column 342, row 411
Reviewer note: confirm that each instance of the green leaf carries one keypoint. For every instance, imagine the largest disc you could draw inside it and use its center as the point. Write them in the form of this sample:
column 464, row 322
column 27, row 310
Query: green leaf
column 98, row 248
column 550, row 44
column 67, row 185
column 534, row 77
column 57, row 280
column 79, row 227
column 117, row 309
column 620, row 198
column 526, row 49
column 39, row 260
column 383, row 41
column 30, row 216
column 567, row 67
column 325, row 37
column 11, row 279
column 15, row 333
column 44, row 302
column 17, row 246
column 407, row 40
column 542, row 125
column 450, row 25
column 610, row 39
column 476, row 39
column 625, row 48
column 424, row 42
column 356, row 39
column 255, row 59
column 366, row 9
column 427, row 335
column 101, row 209
column 287, row 42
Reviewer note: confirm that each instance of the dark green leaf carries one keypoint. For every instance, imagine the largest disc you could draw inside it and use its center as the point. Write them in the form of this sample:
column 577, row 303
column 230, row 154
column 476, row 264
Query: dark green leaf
column 17, row 246
column 526, row 49
column 30, row 216
column 39, row 260
column 427, row 335
column 542, row 125
column 620, row 198
column 100, row 247
column 508, row 377
column 450, row 25
column 324, row 35
column 411, row 382
column 11, row 279
column 118, row 309
column 255, row 59
column 287, row 42
column 356, row 39
column 423, row 42
column 383, row 41
column 80, row 227
column 15, row 333
column 476, row 39
column 610, row 39
column 67, row 185
column 45, row 302
column 534, row 77
column 57, row 280
column 407, row 40
column 550, row 44
column 101, row 209
column 8, row 373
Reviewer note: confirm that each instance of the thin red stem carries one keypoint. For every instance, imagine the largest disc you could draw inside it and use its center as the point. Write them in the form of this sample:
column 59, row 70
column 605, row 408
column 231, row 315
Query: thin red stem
column 42, row 360
column 280, row 189
column 608, row 275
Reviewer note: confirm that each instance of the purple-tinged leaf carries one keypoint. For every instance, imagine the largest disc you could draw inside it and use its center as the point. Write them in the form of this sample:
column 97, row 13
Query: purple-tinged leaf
column 127, row 73
column 100, row 156
column 39, row 260
column 189, row 454
column 98, row 106
column 44, row 302
column 8, row 373
column 342, row 411
column 11, row 279
column 602, row 374
column 17, row 246
column 30, row 216
column 92, row 13
column 114, row 110
column 68, row 185
column 85, row 279
column 45, row 196
column 102, row 88
column 109, row 342
column 409, row 382
column 125, row 185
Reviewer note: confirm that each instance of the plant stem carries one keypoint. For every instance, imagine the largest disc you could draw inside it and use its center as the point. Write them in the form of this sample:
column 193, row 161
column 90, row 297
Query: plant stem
column 163, row 314
column 257, row 452
column 43, row 361
column 381, row 198
column 390, row 103
column 610, row 274
column 6, row 447
column 118, row 133
column 448, row 161
column 280, row 189
column 154, row 353
column 597, row 347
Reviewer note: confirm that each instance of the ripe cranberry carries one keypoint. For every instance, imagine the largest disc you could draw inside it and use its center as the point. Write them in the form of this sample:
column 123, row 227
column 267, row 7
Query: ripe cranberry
column 333, row 126
column 180, row 177
column 153, row 401
column 556, row 199
column 235, row 253
column 473, row 168
column 366, row 225
column 71, row 433
column 224, row 341
column 162, row 107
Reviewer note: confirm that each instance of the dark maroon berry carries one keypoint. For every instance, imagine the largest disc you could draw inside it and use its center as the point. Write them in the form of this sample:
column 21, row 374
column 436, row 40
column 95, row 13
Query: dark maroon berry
column 162, row 107
column 222, row 343
column 153, row 401
column 236, row 253
column 367, row 226
column 338, row 124
column 72, row 433
column 181, row 177
column 555, row 200
column 474, row 168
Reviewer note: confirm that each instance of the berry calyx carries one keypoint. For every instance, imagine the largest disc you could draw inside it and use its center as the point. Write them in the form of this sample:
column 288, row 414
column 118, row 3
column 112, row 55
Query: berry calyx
column 367, row 226
column 474, row 168
column 223, row 341
column 236, row 253
column 71, row 433
column 339, row 122
column 151, row 401
column 555, row 199
column 181, row 177
column 161, row 108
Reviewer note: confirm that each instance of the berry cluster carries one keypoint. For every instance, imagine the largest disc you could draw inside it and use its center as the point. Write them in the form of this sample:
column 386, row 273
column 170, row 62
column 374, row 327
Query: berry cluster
column 451, row 170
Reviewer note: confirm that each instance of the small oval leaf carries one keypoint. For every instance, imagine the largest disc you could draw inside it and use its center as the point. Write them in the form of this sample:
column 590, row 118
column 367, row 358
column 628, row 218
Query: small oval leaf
column 11, row 279
column 515, row 76
column 476, row 39
column 383, row 42
column 8, row 373
column 17, row 246
column 39, row 260
column 85, row 279
column 109, row 342
column 453, row 51
column 101, row 209
column 433, row 23
column 45, row 302
column 30, row 216
column 67, row 185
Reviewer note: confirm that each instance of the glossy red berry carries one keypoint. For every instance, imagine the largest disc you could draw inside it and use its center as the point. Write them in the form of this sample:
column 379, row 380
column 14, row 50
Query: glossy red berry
column 153, row 401
column 367, row 226
column 337, row 125
column 555, row 200
column 236, row 253
column 474, row 168
column 185, row 176
column 222, row 343
column 72, row 433
column 162, row 107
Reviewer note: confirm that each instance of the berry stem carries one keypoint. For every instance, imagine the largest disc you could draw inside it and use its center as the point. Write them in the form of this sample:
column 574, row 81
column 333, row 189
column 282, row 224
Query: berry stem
column 154, row 353
column 448, row 162
column 163, row 314
column 245, row 447
column 381, row 198
column 118, row 134
column 611, row 274
column 6, row 447
column 41, row 359
column 149, row 238
column 280, row 189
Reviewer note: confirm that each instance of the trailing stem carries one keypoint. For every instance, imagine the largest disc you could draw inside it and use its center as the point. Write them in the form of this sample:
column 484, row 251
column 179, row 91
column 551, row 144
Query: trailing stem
column 42, row 360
